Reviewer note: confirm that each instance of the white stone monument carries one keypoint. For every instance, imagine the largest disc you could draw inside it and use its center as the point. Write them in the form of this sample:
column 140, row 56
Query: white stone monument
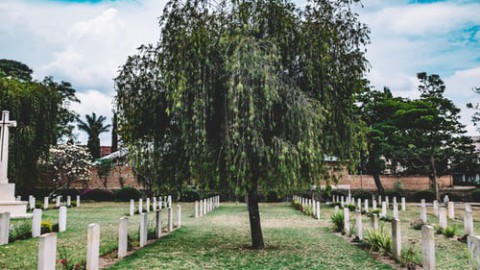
column 7, row 190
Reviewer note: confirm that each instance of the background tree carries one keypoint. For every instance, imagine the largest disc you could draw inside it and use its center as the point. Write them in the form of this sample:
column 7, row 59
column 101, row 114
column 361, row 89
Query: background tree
column 244, row 95
column 114, row 133
column 104, row 169
column 41, row 111
column 93, row 126
column 431, row 132
column 66, row 164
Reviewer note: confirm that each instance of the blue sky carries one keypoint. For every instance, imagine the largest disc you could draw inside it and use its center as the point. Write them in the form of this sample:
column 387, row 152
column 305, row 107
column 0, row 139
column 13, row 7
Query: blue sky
column 85, row 41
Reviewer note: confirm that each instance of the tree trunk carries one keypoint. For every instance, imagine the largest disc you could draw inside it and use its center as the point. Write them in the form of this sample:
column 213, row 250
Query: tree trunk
column 434, row 178
column 378, row 183
column 254, row 215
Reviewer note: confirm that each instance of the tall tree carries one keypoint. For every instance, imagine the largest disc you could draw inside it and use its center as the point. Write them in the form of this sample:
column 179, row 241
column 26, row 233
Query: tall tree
column 431, row 132
column 114, row 133
column 41, row 111
column 244, row 95
column 93, row 126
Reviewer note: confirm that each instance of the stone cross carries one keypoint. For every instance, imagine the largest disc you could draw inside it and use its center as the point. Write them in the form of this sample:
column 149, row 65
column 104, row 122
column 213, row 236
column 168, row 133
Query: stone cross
column 5, row 124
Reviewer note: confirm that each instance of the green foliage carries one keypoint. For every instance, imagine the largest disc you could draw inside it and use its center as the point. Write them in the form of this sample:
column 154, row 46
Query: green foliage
column 475, row 195
column 398, row 186
column 352, row 207
column 308, row 210
column 104, row 168
column 297, row 205
column 126, row 194
column 16, row 70
column 428, row 195
column 189, row 195
column 64, row 263
column 361, row 194
column 376, row 211
column 237, row 105
column 93, row 126
column 99, row 195
column 379, row 240
column 417, row 224
column 386, row 218
column 20, row 231
column 337, row 220
column 42, row 115
column 46, row 226
column 410, row 257
column 450, row 231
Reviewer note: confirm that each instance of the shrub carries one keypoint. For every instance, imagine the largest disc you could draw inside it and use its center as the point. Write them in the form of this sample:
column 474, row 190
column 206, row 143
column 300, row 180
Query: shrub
column 38, row 205
column 450, row 231
column 46, row 227
column 337, row 220
column 126, row 194
column 417, row 224
column 453, row 197
column 21, row 231
column 393, row 193
column 438, row 229
column 73, row 204
column 423, row 194
column 296, row 205
column 386, row 218
column 379, row 240
column 352, row 207
column 361, row 194
column 410, row 257
column 190, row 195
column 273, row 196
column 68, row 192
column 308, row 210
column 99, row 195
column 476, row 195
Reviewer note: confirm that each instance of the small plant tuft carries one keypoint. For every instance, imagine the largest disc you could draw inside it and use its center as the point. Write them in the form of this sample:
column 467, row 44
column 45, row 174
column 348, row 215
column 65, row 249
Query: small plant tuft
column 337, row 220
column 450, row 231
column 379, row 241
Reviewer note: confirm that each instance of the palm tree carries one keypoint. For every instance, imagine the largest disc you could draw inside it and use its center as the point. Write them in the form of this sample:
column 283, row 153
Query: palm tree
column 93, row 127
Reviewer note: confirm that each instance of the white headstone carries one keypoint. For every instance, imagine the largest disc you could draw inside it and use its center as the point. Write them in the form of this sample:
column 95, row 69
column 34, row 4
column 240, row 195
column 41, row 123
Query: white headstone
column 147, row 205
column 37, row 223
column 62, row 219
column 396, row 239
column 474, row 252
column 384, row 209
column 359, row 204
column 395, row 210
column 374, row 221
column 170, row 219
column 69, row 201
column 93, row 247
column 158, row 224
column 451, row 210
column 132, row 207
column 179, row 216
column 318, row 209
column 78, row 200
column 122, row 237
column 154, row 203
column 428, row 248
column 143, row 229
column 4, row 227
column 387, row 201
column 374, row 205
column 366, row 205
column 359, row 226
column 468, row 223
column 195, row 213
column 45, row 203
column 435, row 208
column 442, row 219
column 47, row 251
column 201, row 208
column 423, row 212
column 404, row 205
column 140, row 206
column 346, row 220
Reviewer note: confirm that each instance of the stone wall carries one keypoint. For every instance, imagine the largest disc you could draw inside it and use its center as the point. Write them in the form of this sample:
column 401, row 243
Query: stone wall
column 113, row 180
column 388, row 181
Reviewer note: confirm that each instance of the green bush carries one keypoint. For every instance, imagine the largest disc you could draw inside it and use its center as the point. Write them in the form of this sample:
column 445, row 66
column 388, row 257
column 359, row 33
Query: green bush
column 337, row 220
column 296, row 205
column 428, row 195
column 126, row 194
column 273, row 196
column 308, row 210
column 387, row 218
column 394, row 193
column 379, row 241
column 361, row 194
column 352, row 207
column 450, row 231
column 46, row 227
column 38, row 205
column 99, row 195
column 190, row 195
column 68, row 192
column 21, row 231
column 476, row 195
column 417, row 224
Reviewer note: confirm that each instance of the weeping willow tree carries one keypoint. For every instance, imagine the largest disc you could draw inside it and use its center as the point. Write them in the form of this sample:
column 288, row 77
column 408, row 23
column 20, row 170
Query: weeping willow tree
column 244, row 96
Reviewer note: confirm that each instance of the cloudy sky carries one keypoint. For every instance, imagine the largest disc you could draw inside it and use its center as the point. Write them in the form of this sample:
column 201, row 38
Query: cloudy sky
column 84, row 42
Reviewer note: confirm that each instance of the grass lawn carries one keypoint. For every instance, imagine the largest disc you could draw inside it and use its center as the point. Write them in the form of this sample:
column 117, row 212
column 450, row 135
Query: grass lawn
column 220, row 240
